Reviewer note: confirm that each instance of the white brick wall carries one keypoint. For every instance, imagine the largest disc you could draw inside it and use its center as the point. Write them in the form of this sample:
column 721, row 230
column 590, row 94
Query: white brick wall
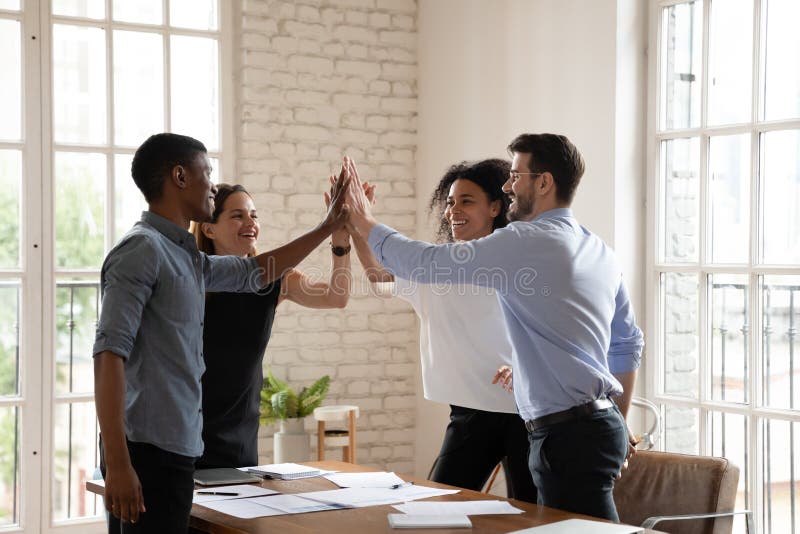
column 321, row 78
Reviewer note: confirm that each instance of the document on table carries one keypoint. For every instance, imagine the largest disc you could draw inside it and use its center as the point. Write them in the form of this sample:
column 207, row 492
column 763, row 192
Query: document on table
column 295, row 504
column 580, row 526
column 243, row 508
column 361, row 497
column 379, row 479
column 217, row 493
column 429, row 521
column 458, row 507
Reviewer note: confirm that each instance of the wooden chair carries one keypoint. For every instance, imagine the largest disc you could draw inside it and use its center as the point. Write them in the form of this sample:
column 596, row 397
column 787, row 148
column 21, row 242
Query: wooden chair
column 345, row 438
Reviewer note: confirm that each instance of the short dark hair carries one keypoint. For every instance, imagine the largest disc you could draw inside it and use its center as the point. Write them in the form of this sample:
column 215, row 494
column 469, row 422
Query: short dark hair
column 488, row 174
column 156, row 157
column 554, row 154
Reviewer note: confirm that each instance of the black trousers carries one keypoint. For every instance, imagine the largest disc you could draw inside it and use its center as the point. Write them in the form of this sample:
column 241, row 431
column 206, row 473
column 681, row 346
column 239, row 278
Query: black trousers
column 167, row 485
column 574, row 464
column 475, row 442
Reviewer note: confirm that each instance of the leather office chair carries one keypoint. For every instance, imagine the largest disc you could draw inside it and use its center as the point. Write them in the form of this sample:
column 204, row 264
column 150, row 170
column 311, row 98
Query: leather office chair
column 683, row 494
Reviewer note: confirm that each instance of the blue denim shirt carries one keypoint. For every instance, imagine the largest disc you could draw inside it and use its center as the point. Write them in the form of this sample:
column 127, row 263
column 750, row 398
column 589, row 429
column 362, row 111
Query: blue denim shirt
column 153, row 284
column 560, row 288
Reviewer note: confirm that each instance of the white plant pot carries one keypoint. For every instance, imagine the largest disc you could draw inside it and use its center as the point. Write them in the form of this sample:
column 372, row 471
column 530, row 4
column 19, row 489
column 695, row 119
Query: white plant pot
column 292, row 442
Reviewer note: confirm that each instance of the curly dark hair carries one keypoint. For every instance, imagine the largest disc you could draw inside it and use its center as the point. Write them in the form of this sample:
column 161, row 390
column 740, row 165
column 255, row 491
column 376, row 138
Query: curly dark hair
column 488, row 174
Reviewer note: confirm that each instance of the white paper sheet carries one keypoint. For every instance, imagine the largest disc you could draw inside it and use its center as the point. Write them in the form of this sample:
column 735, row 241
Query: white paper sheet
column 379, row 479
column 242, row 508
column 458, row 507
column 360, row 497
column 580, row 526
column 241, row 490
column 429, row 521
column 294, row 504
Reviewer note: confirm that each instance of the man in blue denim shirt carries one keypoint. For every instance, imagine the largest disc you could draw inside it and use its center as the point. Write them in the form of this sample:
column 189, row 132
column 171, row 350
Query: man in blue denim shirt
column 148, row 349
column 574, row 338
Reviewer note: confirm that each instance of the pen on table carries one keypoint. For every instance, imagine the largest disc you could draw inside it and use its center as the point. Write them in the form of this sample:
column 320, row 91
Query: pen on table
column 229, row 493
column 398, row 486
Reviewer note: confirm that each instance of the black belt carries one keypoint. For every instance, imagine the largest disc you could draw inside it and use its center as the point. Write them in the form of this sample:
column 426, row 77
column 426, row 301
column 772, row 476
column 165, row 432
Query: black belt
column 569, row 414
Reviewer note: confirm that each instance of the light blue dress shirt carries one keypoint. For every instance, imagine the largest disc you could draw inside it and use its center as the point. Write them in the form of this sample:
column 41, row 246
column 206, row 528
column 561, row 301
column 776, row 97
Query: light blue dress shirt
column 560, row 288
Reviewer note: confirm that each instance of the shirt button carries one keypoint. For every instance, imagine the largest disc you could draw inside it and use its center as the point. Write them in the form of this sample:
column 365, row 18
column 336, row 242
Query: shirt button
column 201, row 323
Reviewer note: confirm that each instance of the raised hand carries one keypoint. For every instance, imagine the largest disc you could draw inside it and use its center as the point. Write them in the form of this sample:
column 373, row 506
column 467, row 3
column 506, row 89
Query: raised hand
column 505, row 377
column 342, row 236
column 338, row 208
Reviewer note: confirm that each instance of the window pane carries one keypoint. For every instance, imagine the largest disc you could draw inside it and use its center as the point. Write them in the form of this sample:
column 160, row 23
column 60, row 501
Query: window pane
column 138, row 107
column 143, row 11
column 681, row 57
column 9, row 465
column 215, row 172
column 9, row 340
column 730, row 337
column 729, row 439
column 195, row 89
column 780, row 345
column 80, row 183
column 75, row 460
column 198, row 14
column 93, row 9
column 12, row 5
column 729, row 189
column 79, row 84
column 680, row 179
column 681, row 430
column 730, row 62
column 781, row 471
column 10, row 182
column 680, row 298
column 782, row 92
column 129, row 202
column 77, row 303
column 10, row 81
column 780, row 155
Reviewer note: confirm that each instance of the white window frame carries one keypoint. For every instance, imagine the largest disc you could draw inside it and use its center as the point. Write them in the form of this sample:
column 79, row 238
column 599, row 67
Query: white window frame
column 655, row 368
column 37, row 399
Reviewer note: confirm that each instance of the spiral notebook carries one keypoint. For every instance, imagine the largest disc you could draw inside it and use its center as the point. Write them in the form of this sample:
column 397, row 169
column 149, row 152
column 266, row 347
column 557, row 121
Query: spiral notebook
column 286, row 471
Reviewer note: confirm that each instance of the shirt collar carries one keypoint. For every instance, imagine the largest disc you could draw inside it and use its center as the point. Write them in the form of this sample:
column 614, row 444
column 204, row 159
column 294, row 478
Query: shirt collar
column 553, row 214
column 169, row 229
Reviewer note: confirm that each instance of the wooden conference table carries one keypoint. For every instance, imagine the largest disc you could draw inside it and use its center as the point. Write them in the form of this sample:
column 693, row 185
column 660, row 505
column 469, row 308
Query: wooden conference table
column 372, row 519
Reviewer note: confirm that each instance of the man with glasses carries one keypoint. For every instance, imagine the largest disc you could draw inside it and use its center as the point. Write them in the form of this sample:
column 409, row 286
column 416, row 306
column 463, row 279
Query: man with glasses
column 576, row 343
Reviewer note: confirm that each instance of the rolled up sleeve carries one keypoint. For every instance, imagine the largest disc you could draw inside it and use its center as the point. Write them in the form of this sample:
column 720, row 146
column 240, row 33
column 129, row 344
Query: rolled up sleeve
column 127, row 279
column 232, row 274
column 627, row 340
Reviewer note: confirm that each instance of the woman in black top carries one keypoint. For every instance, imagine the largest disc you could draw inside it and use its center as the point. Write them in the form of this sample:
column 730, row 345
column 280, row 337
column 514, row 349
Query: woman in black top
column 237, row 327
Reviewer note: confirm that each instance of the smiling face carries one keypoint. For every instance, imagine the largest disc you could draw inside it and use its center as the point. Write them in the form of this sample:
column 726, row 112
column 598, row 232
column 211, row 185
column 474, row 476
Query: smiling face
column 469, row 211
column 200, row 190
column 520, row 189
column 236, row 231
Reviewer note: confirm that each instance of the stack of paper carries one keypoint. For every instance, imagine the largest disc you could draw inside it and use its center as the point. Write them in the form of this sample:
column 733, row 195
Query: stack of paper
column 580, row 526
column 361, row 497
column 286, row 471
column 429, row 521
column 379, row 479
column 458, row 507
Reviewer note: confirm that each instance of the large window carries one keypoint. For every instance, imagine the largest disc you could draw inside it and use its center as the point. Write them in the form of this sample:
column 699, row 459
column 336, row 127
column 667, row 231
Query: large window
column 84, row 83
column 725, row 256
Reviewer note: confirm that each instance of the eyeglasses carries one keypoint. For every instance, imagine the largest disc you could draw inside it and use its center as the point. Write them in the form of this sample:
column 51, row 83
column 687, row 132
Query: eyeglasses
column 514, row 175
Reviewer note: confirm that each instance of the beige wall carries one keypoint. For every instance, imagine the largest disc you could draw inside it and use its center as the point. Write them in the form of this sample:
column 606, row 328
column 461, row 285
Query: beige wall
column 491, row 70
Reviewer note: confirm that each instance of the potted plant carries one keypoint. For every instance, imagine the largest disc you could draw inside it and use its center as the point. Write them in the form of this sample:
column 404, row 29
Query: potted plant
column 280, row 403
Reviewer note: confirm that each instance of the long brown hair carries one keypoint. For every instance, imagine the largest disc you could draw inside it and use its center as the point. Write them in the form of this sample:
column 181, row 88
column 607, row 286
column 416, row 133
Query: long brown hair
column 204, row 244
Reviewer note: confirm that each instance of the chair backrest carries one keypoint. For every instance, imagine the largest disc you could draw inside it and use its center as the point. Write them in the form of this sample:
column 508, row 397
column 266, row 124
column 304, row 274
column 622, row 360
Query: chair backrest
column 662, row 483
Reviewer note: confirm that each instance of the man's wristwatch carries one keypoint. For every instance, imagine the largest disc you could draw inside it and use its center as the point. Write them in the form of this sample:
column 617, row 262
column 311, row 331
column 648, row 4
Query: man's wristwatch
column 340, row 251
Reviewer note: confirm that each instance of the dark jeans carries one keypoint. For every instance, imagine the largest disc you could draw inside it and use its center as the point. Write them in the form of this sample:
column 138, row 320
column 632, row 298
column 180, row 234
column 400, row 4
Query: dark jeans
column 475, row 442
column 167, row 485
column 574, row 464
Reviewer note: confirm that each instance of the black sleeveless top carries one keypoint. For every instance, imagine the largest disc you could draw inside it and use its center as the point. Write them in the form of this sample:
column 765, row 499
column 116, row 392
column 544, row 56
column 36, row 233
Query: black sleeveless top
column 236, row 331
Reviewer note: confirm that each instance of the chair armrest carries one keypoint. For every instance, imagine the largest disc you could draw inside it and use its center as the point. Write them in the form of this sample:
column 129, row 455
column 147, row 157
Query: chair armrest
column 650, row 522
